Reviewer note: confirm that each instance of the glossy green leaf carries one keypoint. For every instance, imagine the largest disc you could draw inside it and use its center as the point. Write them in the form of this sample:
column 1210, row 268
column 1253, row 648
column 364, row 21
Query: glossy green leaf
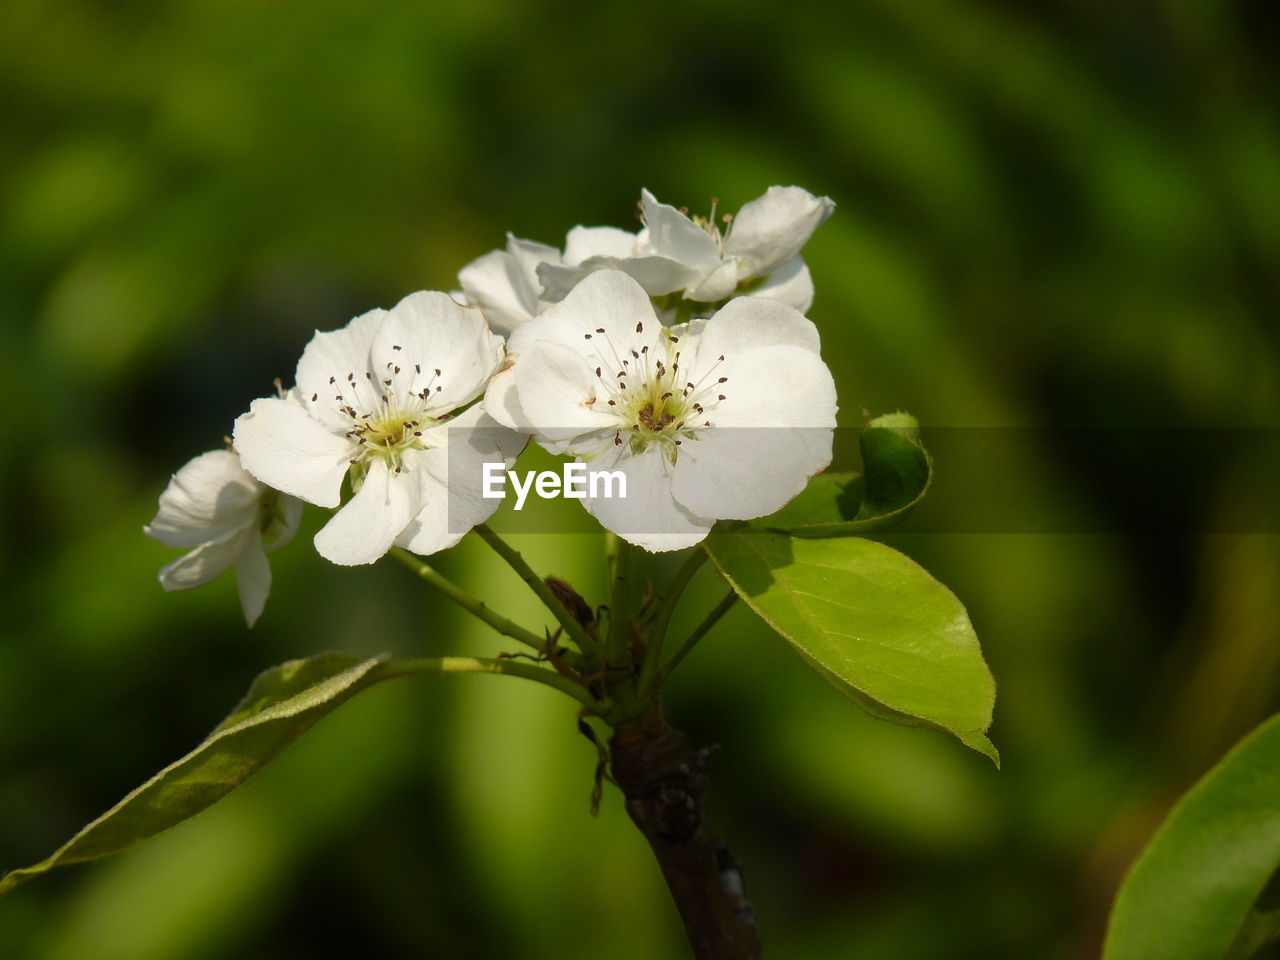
column 896, row 475
column 870, row 620
column 1190, row 894
column 282, row 704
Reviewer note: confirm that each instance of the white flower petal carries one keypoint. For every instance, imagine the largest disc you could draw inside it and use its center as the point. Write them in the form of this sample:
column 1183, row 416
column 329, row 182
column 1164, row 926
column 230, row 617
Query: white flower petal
column 504, row 284
column 253, row 579
column 476, row 422
column 584, row 242
column 737, row 473
column 501, row 398
column 529, row 254
column 749, row 322
column 207, row 499
column 560, row 394
column 432, row 530
column 657, row 275
column 716, row 285
column 426, row 332
column 605, row 318
column 205, row 563
column 284, row 527
column 613, row 308
column 453, row 502
column 495, row 283
column 789, row 284
column 770, row 230
column 323, row 371
column 368, row 524
column 676, row 237
column 784, row 384
column 648, row 516
column 281, row 445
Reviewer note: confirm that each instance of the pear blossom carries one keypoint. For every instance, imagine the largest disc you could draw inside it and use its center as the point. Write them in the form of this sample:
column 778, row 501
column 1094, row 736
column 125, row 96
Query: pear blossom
column 755, row 253
column 379, row 400
column 230, row 519
column 719, row 418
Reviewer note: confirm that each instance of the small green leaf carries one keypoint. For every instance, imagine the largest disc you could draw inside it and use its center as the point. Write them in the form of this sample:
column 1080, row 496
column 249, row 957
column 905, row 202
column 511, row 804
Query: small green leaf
column 1189, row 894
column 283, row 703
column 870, row 620
column 896, row 475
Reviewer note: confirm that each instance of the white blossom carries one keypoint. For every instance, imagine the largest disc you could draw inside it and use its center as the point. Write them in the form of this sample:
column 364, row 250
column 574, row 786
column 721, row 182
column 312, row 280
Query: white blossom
column 723, row 418
column 378, row 399
column 230, row 519
column 756, row 253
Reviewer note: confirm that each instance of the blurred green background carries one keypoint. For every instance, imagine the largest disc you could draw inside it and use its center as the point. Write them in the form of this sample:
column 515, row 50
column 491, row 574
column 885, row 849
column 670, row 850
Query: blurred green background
column 1066, row 213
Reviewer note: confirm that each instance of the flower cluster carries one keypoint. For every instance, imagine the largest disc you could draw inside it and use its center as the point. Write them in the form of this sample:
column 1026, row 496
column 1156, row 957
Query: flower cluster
column 678, row 357
column 704, row 262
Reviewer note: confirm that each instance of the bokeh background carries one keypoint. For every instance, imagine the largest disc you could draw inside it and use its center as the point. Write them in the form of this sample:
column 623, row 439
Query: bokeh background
column 1051, row 214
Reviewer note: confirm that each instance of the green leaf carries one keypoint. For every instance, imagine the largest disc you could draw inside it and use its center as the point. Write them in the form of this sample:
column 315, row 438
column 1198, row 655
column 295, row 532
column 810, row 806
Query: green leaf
column 896, row 475
column 1189, row 894
column 283, row 703
column 870, row 620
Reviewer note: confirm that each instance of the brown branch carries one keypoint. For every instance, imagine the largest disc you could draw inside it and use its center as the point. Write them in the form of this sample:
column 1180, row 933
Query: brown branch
column 665, row 783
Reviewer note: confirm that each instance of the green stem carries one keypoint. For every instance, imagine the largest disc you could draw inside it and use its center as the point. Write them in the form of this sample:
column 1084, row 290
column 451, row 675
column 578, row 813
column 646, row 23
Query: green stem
column 619, row 553
column 473, row 605
column 658, row 634
column 576, row 631
column 699, row 632
column 511, row 668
